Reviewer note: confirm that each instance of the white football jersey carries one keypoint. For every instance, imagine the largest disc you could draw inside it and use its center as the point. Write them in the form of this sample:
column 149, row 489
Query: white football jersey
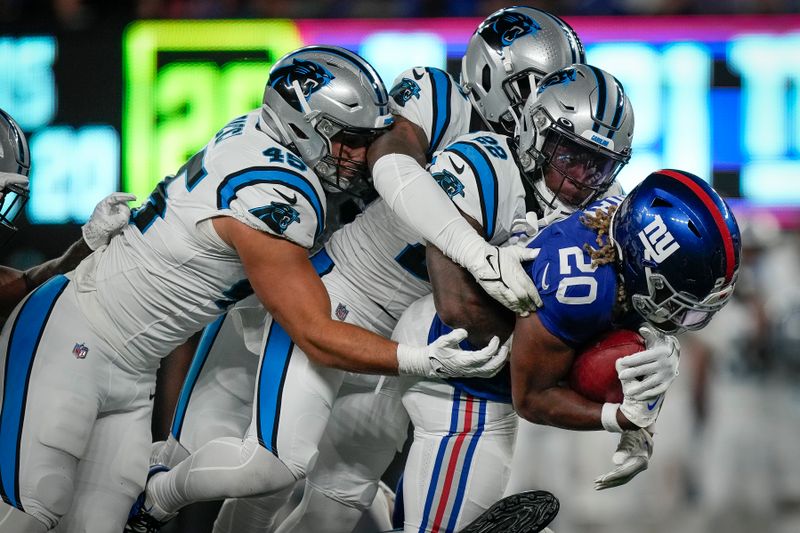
column 480, row 175
column 386, row 259
column 430, row 98
column 169, row 274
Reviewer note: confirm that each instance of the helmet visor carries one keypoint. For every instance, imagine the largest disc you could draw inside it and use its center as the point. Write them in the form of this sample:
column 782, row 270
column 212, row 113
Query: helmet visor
column 585, row 165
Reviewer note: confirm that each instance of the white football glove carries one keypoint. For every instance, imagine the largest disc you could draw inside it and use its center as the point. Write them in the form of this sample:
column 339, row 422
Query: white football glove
column 443, row 358
column 12, row 178
column 632, row 456
column 641, row 412
column 499, row 272
column 523, row 230
column 108, row 219
column 648, row 374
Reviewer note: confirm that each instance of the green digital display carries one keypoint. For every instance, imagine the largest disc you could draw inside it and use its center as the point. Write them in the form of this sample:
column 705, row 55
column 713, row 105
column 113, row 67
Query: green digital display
column 186, row 79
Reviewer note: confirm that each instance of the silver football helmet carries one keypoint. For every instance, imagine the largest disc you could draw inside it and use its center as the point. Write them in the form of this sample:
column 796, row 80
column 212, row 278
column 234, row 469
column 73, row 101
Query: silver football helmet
column 506, row 57
column 318, row 95
column 575, row 135
column 14, row 158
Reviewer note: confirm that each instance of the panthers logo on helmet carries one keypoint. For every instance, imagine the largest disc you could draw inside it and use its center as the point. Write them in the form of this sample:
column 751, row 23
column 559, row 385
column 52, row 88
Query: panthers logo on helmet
column 310, row 76
column 277, row 216
column 505, row 28
column 449, row 183
column 403, row 91
column 564, row 76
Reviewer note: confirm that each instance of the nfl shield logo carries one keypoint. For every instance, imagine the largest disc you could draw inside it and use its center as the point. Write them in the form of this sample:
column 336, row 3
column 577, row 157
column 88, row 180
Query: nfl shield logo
column 80, row 350
column 341, row 311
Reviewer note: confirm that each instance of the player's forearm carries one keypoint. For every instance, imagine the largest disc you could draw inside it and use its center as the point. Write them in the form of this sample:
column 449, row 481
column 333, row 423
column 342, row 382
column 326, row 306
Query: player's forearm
column 461, row 303
column 16, row 284
column 12, row 290
column 347, row 347
column 563, row 408
column 68, row 261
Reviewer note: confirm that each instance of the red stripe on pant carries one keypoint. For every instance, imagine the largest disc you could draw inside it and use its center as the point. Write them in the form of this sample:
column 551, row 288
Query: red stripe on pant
column 451, row 467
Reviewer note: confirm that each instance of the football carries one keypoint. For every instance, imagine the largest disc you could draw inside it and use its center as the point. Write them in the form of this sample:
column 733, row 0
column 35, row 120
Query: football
column 593, row 374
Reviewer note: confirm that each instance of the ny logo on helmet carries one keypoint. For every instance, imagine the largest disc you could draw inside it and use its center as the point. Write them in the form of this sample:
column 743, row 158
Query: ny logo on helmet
column 310, row 76
column 277, row 216
column 449, row 183
column 561, row 77
column 658, row 242
column 403, row 91
column 505, row 28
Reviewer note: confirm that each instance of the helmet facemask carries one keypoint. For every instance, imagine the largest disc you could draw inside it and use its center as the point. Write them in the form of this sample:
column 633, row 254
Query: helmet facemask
column 517, row 88
column 674, row 312
column 12, row 203
column 338, row 172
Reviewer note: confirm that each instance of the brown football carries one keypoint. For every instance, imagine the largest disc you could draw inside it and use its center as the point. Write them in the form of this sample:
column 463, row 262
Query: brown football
column 593, row 374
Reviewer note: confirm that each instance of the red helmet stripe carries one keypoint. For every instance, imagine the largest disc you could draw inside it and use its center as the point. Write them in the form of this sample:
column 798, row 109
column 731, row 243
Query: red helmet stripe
column 727, row 240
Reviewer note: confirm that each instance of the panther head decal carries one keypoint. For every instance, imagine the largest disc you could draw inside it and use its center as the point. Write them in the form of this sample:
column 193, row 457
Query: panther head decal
column 561, row 77
column 449, row 183
column 504, row 28
column 277, row 216
column 310, row 76
column 403, row 91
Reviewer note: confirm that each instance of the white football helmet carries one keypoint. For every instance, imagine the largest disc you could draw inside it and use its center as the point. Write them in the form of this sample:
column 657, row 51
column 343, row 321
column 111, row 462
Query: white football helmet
column 319, row 94
column 575, row 133
column 506, row 57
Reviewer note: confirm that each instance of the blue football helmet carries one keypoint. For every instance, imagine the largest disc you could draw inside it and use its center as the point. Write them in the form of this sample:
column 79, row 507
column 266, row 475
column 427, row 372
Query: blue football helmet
column 14, row 158
column 679, row 246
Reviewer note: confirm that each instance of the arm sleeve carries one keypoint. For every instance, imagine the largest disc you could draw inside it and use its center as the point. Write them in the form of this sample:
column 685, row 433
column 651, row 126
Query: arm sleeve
column 415, row 197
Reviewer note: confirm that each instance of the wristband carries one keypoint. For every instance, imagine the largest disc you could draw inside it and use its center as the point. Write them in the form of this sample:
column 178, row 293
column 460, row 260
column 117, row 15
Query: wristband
column 608, row 418
column 411, row 361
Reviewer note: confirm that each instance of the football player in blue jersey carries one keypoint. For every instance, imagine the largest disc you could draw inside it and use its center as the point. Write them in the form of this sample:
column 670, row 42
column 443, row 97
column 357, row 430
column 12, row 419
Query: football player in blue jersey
column 108, row 218
column 618, row 263
column 573, row 139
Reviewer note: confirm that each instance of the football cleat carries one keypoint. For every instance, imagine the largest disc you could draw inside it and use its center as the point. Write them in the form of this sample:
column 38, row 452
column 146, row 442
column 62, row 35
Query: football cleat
column 526, row 512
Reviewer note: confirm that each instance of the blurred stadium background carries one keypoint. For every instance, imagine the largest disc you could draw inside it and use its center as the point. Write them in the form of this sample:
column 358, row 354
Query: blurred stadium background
column 115, row 95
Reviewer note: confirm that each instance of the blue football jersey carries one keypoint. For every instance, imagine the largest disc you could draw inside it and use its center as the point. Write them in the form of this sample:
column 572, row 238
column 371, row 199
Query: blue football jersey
column 578, row 298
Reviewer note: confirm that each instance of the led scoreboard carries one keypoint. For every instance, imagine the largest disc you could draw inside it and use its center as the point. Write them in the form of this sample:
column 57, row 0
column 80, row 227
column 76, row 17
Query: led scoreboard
column 717, row 96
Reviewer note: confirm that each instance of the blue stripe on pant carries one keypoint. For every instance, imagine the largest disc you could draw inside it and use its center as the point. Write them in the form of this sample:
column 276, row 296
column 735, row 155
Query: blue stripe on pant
column 193, row 375
column 22, row 346
column 274, row 365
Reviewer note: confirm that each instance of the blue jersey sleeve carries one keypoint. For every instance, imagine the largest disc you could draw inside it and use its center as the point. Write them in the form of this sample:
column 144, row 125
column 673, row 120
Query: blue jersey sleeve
column 578, row 298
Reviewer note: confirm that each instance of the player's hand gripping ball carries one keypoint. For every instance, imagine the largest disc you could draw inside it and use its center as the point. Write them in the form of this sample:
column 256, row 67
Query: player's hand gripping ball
column 593, row 374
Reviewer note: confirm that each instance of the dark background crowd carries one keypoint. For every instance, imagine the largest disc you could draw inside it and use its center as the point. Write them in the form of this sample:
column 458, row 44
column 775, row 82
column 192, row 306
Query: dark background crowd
column 85, row 14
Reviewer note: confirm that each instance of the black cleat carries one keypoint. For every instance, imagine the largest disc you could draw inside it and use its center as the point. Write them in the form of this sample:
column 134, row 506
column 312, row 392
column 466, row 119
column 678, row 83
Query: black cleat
column 526, row 512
